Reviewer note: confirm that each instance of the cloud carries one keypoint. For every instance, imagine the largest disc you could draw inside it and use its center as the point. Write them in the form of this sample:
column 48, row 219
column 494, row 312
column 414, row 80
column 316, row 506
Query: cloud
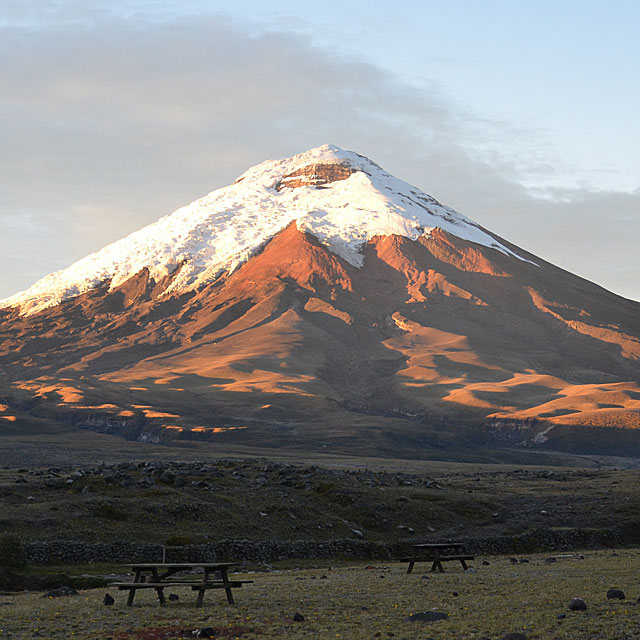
column 108, row 123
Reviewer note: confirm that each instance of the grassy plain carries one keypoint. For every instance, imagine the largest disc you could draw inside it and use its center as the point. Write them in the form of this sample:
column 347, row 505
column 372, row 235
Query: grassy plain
column 363, row 602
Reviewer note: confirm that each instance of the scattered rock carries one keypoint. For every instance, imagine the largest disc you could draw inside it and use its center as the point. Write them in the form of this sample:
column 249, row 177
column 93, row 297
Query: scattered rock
column 59, row 592
column 298, row 617
column 357, row 533
column 427, row 616
column 486, row 563
column 108, row 600
column 549, row 560
column 524, row 560
column 577, row 604
column 615, row 594
column 205, row 632
column 168, row 477
column 514, row 636
column 562, row 616
column 173, row 597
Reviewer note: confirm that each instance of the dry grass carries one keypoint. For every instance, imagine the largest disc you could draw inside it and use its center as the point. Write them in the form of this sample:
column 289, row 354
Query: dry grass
column 358, row 601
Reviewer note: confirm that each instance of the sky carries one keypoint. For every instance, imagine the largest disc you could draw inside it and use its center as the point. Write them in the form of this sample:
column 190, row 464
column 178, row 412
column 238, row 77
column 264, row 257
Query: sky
column 522, row 116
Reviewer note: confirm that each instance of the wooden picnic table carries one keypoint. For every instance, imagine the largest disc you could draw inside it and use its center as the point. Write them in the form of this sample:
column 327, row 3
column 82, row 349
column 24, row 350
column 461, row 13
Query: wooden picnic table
column 437, row 553
column 159, row 576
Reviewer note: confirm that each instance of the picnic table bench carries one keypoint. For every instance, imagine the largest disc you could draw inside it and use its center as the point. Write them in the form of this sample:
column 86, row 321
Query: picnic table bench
column 157, row 575
column 437, row 553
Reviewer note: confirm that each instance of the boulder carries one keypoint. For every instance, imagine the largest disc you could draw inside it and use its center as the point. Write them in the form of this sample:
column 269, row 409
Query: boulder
column 577, row 604
column 427, row 616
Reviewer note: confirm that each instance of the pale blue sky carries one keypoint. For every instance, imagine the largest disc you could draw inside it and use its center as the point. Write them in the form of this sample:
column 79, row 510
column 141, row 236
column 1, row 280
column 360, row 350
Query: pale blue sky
column 524, row 116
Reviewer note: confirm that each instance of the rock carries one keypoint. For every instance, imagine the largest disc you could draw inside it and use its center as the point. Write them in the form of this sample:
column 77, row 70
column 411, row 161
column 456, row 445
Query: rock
column 262, row 480
column 357, row 533
column 298, row 617
column 524, row 560
column 168, row 477
column 486, row 563
column 205, row 632
column 108, row 599
column 178, row 481
column 562, row 616
column 549, row 560
column 577, row 604
column 60, row 592
column 173, row 597
column 615, row 594
column 427, row 616
column 514, row 636
column 513, row 560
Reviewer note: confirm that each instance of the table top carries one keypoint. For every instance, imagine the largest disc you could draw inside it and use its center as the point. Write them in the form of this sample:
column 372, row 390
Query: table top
column 437, row 545
column 181, row 565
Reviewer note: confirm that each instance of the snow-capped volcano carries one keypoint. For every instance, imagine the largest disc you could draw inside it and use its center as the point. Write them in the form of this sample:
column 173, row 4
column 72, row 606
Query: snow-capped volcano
column 320, row 300
column 342, row 198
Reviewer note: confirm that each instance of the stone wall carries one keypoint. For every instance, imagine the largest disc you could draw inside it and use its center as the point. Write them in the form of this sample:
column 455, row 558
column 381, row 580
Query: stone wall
column 70, row 552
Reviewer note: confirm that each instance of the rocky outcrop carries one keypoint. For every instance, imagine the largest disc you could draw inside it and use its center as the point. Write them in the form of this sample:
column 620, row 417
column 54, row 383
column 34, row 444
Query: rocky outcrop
column 315, row 175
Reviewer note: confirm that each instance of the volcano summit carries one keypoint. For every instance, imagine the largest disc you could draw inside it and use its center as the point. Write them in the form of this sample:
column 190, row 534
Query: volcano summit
column 321, row 302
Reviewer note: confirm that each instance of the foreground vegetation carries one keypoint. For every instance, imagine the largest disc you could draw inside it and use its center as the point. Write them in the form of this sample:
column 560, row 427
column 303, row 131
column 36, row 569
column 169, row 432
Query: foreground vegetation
column 364, row 601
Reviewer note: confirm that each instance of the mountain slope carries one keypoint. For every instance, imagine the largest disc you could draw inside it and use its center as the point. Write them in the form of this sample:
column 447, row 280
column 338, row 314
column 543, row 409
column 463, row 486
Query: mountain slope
column 431, row 337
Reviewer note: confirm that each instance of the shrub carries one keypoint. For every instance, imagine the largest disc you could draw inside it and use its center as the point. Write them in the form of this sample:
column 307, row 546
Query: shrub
column 11, row 553
column 109, row 512
column 178, row 540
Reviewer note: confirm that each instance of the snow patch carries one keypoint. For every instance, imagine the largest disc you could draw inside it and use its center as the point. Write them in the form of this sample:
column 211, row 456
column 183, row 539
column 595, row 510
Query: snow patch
column 542, row 437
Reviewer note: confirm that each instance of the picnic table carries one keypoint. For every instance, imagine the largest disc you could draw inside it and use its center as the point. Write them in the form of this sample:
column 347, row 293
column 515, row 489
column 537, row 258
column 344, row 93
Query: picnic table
column 437, row 553
column 160, row 575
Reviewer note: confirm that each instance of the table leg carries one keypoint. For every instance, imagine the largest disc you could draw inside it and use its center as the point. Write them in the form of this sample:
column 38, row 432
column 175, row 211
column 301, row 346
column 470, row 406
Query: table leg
column 437, row 565
column 411, row 563
column 464, row 564
column 225, row 580
column 159, row 590
column 132, row 592
column 201, row 592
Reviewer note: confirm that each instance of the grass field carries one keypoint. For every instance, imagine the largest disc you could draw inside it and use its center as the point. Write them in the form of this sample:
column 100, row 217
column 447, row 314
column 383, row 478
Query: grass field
column 363, row 602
